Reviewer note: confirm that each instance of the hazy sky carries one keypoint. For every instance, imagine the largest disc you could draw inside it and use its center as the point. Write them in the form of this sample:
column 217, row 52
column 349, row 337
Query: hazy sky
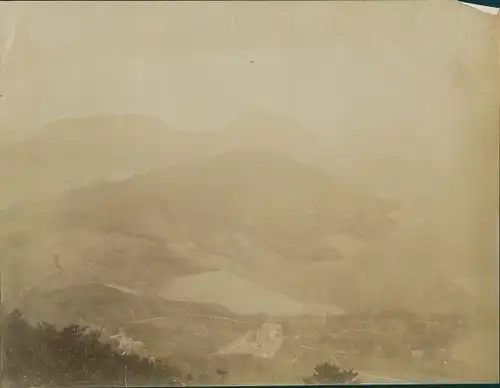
column 197, row 66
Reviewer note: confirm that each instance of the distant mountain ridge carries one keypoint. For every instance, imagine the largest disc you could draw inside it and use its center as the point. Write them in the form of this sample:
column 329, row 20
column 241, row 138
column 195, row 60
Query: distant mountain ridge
column 122, row 189
column 73, row 152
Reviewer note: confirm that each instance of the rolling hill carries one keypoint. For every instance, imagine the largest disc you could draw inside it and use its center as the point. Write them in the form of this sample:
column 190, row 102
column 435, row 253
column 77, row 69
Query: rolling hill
column 259, row 214
column 244, row 297
column 97, row 303
column 162, row 325
column 250, row 212
column 116, row 191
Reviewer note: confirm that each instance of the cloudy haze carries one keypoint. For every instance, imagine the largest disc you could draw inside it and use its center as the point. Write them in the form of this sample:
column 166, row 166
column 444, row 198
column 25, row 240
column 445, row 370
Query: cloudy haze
column 300, row 170
column 116, row 58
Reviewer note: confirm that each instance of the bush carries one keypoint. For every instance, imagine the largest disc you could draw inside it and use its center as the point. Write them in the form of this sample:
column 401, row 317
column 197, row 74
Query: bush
column 331, row 374
column 43, row 356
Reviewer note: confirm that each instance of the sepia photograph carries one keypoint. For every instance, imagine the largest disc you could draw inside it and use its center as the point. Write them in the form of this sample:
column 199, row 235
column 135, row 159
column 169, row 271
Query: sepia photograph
column 217, row 193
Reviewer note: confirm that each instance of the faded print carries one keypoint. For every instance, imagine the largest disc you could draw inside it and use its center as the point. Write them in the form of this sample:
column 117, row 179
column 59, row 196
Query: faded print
column 198, row 193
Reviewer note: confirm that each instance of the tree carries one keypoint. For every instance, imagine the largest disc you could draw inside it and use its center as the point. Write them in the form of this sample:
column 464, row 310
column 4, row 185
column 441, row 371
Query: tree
column 223, row 374
column 42, row 355
column 331, row 374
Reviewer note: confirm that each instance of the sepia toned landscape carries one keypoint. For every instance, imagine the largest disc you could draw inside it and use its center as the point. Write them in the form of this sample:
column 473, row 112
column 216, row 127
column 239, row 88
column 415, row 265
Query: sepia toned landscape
column 217, row 193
